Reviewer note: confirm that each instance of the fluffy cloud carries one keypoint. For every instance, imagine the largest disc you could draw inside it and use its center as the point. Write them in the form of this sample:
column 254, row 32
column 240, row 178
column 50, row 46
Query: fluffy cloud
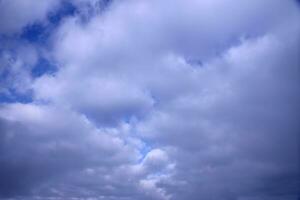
column 161, row 100
column 240, row 133
column 49, row 143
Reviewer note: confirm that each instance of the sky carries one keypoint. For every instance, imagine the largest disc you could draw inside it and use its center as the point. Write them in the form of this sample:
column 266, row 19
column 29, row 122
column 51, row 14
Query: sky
column 149, row 100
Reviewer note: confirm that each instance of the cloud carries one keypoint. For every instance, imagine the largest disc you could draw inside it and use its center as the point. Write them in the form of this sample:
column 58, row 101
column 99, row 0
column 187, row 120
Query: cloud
column 44, row 144
column 17, row 61
column 106, row 100
column 159, row 100
column 16, row 14
column 240, row 133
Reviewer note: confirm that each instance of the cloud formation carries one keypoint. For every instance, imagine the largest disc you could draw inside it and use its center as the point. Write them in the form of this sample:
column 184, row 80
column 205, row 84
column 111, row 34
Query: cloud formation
column 158, row 100
column 16, row 14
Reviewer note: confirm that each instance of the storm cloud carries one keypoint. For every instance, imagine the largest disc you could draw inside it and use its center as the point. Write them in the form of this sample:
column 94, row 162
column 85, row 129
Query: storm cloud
column 158, row 100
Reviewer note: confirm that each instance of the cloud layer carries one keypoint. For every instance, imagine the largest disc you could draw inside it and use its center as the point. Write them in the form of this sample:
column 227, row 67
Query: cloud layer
column 165, row 100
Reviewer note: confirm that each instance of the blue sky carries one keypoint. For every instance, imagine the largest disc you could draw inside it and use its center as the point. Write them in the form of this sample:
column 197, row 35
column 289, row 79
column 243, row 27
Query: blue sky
column 152, row 100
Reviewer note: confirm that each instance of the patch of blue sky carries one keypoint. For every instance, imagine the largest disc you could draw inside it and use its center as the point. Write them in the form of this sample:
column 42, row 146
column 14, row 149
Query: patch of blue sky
column 147, row 147
column 36, row 33
column 11, row 96
column 40, row 32
column 66, row 9
column 43, row 66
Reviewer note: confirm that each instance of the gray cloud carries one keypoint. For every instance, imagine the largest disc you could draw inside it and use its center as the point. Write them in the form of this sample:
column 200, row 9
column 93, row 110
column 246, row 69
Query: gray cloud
column 44, row 145
column 16, row 14
column 161, row 100
column 241, row 133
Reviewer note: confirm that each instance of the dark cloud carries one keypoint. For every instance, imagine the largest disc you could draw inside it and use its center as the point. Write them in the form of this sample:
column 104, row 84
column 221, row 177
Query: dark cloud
column 39, row 149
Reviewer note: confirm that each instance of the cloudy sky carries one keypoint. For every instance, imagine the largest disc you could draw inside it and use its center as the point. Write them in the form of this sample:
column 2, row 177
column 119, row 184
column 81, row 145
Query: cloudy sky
column 149, row 99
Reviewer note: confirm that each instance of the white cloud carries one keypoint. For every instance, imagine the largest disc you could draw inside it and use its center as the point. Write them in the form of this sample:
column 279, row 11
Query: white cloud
column 163, row 100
